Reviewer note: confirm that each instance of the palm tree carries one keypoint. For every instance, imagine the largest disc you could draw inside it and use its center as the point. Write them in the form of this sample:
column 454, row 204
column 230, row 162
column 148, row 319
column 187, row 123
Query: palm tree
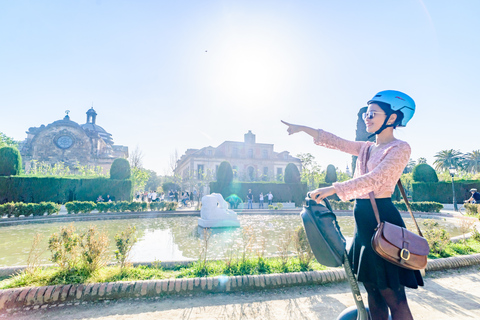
column 472, row 161
column 410, row 165
column 421, row 160
column 447, row 159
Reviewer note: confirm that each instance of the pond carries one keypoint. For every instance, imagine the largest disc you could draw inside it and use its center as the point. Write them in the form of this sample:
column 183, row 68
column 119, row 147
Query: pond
column 176, row 238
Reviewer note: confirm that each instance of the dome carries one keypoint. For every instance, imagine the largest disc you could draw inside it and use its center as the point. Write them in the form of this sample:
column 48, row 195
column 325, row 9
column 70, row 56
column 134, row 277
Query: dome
column 107, row 137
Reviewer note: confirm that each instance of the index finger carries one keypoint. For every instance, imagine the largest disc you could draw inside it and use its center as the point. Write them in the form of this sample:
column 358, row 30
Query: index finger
column 285, row 122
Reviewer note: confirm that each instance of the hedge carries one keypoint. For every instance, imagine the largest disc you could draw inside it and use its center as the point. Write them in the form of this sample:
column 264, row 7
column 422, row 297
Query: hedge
column 472, row 208
column 282, row 192
column 27, row 209
column 118, row 206
column 61, row 189
column 442, row 191
column 400, row 205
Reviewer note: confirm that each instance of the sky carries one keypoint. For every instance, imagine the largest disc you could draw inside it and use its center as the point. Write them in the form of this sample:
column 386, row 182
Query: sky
column 166, row 76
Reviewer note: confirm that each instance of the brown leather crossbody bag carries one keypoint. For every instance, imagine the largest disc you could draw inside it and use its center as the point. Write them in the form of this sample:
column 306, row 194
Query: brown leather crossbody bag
column 396, row 244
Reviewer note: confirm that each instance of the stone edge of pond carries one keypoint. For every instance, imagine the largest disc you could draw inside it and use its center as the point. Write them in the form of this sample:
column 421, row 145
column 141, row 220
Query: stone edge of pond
column 74, row 294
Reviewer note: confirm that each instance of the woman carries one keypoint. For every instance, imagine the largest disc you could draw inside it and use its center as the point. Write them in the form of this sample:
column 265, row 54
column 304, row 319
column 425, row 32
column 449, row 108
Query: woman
column 385, row 283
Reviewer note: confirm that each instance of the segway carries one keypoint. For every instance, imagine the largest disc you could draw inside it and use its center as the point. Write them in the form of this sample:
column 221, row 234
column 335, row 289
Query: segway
column 329, row 247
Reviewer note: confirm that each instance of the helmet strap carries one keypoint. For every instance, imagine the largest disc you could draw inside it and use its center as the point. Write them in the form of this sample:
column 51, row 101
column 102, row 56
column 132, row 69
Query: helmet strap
column 383, row 127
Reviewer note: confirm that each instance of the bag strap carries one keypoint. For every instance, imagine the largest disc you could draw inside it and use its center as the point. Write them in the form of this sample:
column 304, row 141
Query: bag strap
column 402, row 191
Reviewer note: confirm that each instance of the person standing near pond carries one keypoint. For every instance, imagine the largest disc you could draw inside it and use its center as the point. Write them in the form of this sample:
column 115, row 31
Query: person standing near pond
column 260, row 201
column 385, row 160
column 270, row 198
column 250, row 199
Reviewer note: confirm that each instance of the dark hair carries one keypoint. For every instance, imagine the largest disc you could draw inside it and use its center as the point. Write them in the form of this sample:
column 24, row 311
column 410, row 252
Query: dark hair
column 388, row 110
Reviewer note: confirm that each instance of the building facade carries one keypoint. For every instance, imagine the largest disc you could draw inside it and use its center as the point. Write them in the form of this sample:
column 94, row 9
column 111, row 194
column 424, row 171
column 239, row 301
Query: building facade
column 71, row 143
column 250, row 161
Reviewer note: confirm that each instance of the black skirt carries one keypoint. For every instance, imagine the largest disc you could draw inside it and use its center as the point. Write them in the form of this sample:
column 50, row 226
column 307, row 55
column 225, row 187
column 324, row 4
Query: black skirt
column 367, row 265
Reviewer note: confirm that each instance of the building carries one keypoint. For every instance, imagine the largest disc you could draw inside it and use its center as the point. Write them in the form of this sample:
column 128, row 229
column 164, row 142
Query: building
column 71, row 143
column 250, row 161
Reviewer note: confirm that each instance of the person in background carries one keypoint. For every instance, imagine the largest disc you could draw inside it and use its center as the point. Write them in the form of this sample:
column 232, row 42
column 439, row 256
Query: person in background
column 270, row 198
column 250, row 199
column 475, row 198
column 260, row 200
column 100, row 198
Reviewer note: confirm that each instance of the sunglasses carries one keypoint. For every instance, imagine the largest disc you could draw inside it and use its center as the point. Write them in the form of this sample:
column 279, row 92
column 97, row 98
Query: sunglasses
column 370, row 114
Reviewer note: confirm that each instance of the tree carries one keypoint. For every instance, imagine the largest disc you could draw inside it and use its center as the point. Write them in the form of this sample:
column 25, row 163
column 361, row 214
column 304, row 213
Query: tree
column 136, row 158
column 421, row 160
column 10, row 161
column 472, row 161
column 154, row 181
column 6, row 141
column 331, row 175
column 447, row 158
column 424, row 173
column 411, row 163
column 292, row 175
column 139, row 178
column 120, row 169
column 224, row 174
column 311, row 173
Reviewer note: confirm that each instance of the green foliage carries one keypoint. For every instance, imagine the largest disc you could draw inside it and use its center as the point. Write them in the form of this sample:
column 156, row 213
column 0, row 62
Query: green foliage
column 140, row 177
column 80, row 206
column 437, row 239
column 331, row 175
column 341, row 205
column 302, row 248
column 442, row 191
column 424, row 173
column 61, row 190
column 6, row 141
column 124, row 242
column 60, row 169
column 167, row 186
column 447, row 158
column 311, row 172
column 282, row 192
column 292, row 175
column 224, row 174
column 120, row 169
column 27, row 209
column 472, row 209
column 94, row 249
column 424, row 206
column 10, row 161
column 65, row 247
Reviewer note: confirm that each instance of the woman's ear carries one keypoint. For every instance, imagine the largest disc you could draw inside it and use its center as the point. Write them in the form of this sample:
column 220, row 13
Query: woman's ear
column 392, row 119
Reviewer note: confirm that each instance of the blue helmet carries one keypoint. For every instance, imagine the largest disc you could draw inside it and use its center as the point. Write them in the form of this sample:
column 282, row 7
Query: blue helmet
column 398, row 101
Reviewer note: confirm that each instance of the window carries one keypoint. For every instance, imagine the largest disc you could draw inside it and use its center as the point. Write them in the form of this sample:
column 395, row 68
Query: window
column 250, row 153
column 200, row 171
column 210, row 153
column 265, row 154
column 235, row 152
column 251, row 173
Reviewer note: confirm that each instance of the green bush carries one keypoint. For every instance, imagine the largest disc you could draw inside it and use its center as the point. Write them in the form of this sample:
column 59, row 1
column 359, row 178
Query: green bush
column 61, row 190
column 282, row 192
column 424, row 173
column 331, row 175
column 224, row 174
column 442, row 191
column 292, row 175
column 424, row 206
column 472, row 208
column 341, row 205
column 80, row 206
column 120, row 169
column 10, row 161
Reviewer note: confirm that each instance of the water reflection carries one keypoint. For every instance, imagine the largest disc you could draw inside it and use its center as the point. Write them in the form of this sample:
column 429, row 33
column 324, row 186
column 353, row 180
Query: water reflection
column 173, row 238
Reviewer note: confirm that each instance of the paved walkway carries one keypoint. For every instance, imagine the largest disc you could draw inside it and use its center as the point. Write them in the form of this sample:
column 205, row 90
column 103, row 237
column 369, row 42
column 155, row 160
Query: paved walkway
column 451, row 294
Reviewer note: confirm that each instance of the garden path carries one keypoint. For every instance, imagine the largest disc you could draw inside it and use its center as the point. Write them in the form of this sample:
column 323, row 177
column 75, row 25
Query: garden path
column 450, row 294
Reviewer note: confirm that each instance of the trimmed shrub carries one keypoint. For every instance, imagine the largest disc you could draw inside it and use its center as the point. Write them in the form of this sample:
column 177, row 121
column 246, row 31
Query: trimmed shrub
column 442, row 191
column 10, row 161
column 331, row 175
column 120, row 169
column 424, row 206
column 80, row 206
column 424, row 173
column 61, row 190
column 292, row 175
column 472, row 208
column 224, row 174
column 282, row 192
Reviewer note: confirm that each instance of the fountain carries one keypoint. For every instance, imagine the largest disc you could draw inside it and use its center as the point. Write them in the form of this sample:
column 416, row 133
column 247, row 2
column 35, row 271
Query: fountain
column 215, row 213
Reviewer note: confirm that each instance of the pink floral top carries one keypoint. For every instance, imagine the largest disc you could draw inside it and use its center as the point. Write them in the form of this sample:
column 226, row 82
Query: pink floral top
column 385, row 166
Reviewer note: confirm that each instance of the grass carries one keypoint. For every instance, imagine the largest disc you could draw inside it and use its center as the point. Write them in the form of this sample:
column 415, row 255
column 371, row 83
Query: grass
column 54, row 276
column 457, row 249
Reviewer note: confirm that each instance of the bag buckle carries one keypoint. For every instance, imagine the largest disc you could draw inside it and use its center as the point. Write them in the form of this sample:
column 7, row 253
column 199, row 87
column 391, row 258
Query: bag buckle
column 405, row 254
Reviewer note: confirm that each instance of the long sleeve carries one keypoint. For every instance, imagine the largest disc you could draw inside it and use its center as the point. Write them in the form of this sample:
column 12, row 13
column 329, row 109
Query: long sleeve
column 385, row 168
column 329, row 140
